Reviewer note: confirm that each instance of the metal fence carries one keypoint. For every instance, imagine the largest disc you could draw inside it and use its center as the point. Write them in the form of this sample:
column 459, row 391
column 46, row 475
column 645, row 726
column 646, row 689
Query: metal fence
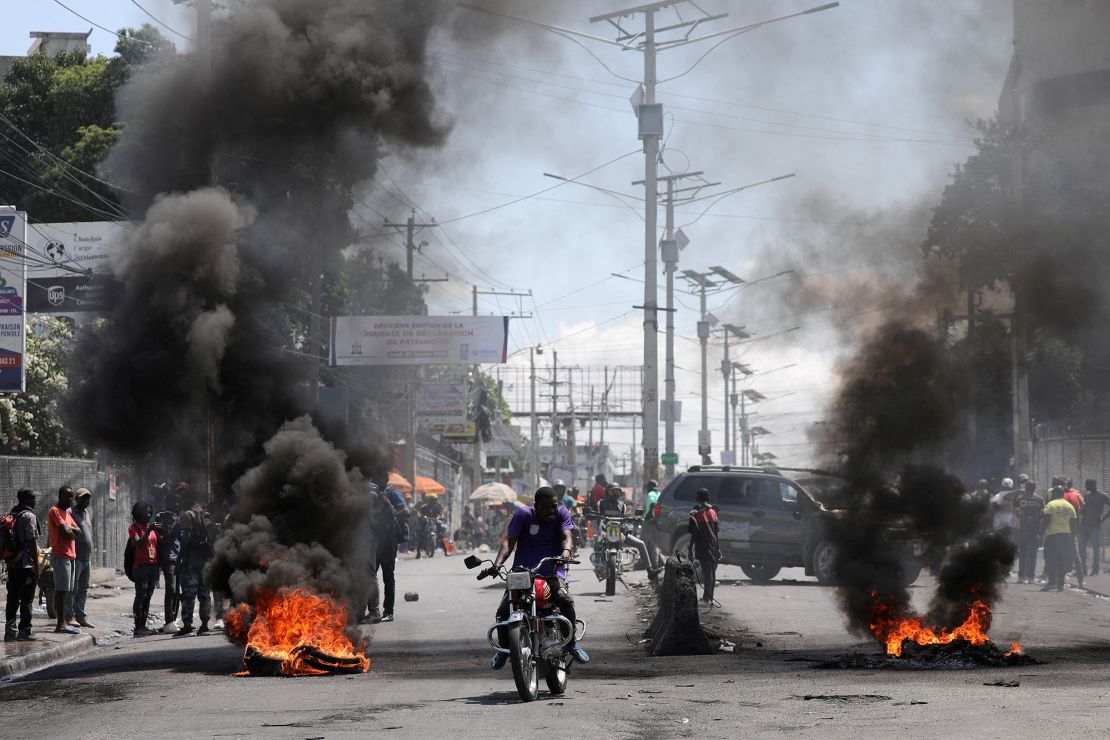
column 1075, row 450
column 111, row 501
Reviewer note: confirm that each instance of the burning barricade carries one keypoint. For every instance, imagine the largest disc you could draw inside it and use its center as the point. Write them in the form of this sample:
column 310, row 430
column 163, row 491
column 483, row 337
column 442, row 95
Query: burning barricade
column 294, row 632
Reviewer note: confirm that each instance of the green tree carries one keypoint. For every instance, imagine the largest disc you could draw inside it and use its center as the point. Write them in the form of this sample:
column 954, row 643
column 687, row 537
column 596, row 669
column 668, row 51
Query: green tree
column 30, row 422
column 59, row 122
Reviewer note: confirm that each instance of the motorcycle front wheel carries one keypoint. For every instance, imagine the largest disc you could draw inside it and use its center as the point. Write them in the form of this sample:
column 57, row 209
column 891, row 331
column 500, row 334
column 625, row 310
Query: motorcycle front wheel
column 524, row 667
column 611, row 576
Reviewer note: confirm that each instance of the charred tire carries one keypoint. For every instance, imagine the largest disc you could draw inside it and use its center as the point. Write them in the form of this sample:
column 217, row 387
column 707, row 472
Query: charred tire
column 556, row 679
column 524, row 667
column 760, row 573
column 824, row 562
column 611, row 575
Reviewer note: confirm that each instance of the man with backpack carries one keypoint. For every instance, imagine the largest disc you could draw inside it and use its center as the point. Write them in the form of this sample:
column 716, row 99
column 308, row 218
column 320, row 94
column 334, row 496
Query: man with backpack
column 198, row 533
column 704, row 542
column 386, row 505
column 20, row 550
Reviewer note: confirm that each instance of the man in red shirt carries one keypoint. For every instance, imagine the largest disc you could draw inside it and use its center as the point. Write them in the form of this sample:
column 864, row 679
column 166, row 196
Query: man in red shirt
column 704, row 542
column 61, row 534
column 598, row 491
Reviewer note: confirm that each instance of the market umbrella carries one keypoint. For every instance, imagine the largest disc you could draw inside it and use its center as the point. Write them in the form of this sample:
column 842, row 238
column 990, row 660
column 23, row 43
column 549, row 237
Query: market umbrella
column 494, row 493
column 400, row 482
column 429, row 485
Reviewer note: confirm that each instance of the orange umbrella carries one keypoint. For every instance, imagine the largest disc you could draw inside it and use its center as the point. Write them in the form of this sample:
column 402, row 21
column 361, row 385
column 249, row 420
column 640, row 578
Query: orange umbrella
column 428, row 485
column 399, row 482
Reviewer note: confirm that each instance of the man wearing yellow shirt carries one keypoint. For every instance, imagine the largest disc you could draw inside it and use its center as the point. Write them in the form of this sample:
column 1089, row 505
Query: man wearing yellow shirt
column 1059, row 538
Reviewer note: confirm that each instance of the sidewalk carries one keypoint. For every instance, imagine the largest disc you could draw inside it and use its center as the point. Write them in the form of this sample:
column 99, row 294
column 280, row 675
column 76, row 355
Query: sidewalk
column 108, row 607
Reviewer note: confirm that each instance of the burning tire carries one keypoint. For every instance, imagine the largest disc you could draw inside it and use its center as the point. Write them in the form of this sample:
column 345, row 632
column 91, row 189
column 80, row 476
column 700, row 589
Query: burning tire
column 824, row 562
column 760, row 573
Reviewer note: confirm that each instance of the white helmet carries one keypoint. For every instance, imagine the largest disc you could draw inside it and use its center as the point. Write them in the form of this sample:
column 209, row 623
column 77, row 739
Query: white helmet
column 560, row 484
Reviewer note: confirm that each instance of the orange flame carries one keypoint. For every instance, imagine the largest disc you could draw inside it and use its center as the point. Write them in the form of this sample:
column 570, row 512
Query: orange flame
column 1015, row 649
column 891, row 629
column 281, row 625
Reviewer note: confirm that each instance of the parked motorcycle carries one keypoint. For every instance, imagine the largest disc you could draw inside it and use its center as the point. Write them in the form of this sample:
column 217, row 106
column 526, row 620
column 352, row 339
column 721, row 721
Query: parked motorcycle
column 538, row 635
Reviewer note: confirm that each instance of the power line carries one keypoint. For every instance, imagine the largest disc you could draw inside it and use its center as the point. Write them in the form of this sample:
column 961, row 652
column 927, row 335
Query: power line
column 159, row 21
column 102, row 28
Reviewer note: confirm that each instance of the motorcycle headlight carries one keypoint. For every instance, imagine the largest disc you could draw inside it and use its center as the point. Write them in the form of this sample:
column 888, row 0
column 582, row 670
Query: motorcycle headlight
column 519, row 581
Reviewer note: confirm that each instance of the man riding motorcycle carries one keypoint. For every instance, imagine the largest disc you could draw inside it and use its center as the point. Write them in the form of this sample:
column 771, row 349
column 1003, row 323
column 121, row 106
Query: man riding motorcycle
column 613, row 503
column 536, row 532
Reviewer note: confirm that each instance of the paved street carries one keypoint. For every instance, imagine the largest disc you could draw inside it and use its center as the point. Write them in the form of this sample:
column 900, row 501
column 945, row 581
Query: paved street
column 430, row 675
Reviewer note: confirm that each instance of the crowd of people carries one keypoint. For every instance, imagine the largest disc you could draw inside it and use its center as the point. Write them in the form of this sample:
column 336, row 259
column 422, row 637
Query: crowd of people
column 1065, row 521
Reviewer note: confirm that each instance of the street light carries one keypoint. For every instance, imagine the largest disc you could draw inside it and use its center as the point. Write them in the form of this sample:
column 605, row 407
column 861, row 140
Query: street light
column 726, row 274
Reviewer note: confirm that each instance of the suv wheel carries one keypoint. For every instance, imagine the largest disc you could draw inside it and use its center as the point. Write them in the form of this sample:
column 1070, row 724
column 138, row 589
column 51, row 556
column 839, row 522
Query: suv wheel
column 760, row 573
column 824, row 562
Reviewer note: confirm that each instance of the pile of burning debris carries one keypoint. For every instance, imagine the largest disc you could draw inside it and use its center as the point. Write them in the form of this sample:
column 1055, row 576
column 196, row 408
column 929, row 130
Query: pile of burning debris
column 911, row 644
column 294, row 632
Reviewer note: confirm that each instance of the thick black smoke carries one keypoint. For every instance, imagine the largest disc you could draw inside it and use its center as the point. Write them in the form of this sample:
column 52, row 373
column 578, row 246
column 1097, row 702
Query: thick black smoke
column 242, row 166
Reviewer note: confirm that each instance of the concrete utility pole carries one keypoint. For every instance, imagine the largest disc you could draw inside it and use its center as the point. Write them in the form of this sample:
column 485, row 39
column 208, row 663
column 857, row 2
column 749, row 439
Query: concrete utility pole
column 650, row 131
column 728, row 453
column 410, row 226
column 534, row 431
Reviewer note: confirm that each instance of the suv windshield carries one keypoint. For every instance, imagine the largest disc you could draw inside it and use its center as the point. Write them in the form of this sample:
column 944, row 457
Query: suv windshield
column 832, row 492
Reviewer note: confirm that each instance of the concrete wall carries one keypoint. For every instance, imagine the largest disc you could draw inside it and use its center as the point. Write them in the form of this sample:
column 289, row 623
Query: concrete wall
column 111, row 504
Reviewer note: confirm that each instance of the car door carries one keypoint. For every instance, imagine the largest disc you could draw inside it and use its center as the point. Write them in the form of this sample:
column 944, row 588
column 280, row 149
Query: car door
column 776, row 521
column 734, row 513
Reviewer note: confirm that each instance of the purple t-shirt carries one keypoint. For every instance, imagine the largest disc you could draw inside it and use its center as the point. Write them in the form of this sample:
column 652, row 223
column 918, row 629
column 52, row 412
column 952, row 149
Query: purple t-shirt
column 536, row 539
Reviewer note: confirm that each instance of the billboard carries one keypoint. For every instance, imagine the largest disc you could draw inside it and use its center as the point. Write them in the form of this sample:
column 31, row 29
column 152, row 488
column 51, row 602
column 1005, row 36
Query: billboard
column 90, row 246
column 441, row 406
column 418, row 340
column 13, row 277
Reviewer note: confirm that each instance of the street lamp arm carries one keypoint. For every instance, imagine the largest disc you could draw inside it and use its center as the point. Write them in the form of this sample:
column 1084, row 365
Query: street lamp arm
column 548, row 27
column 734, row 32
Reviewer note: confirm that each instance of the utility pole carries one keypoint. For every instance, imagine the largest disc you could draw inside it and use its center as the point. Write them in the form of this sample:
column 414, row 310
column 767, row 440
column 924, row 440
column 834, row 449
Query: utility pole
column 534, row 431
column 728, row 453
column 410, row 226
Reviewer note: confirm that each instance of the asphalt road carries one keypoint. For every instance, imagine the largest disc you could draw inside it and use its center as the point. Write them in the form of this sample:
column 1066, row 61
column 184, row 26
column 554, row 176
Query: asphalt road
column 430, row 676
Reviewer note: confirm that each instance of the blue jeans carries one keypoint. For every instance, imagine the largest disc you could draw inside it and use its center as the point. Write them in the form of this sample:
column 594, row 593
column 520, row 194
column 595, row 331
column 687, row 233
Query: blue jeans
column 75, row 599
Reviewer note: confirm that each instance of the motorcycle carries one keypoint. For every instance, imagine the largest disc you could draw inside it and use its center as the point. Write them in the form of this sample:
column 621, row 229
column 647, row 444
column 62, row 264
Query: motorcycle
column 611, row 555
column 538, row 634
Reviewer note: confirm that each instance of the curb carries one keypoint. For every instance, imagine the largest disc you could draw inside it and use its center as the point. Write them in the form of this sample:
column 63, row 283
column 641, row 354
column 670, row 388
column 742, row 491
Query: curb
column 40, row 659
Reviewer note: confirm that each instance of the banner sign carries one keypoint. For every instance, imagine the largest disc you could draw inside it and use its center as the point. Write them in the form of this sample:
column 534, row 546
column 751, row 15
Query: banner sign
column 74, row 247
column 418, row 340
column 13, row 277
column 442, row 405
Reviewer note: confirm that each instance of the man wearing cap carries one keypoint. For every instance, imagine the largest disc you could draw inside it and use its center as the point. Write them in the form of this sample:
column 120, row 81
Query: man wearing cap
column 61, row 533
column 23, row 568
column 75, row 599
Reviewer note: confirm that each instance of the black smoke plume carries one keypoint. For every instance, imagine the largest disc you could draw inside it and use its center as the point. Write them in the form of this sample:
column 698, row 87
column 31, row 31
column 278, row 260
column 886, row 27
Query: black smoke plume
column 242, row 166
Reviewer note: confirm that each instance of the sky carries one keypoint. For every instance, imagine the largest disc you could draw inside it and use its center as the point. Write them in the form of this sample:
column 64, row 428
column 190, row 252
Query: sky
column 870, row 105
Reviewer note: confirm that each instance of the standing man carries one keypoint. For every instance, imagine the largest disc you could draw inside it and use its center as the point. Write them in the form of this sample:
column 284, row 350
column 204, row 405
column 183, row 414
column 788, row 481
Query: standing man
column 196, row 526
column 598, row 491
column 1028, row 511
column 1090, row 525
column 386, row 508
column 61, row 533
column 23, row 567
column 75, row 600
column 169, row 546
column 143, row 541
column 650, row 500
column 704, row 542
column 1059, row 538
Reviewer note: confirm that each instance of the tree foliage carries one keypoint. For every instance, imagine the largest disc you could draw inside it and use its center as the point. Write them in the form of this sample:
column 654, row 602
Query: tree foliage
column 30, row 422
column 59, row 121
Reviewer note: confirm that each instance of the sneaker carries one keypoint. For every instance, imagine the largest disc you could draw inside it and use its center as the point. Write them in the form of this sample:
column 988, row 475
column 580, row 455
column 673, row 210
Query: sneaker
column 203, row 629
column 10, row 637
column 85, row 623
column 169, row 628
column 67, row 630
column 142, row 632
column 219, row 625
column 185, row 630
column 498, row 661
column 387, row 617
column 26, row 637
column 579, row 655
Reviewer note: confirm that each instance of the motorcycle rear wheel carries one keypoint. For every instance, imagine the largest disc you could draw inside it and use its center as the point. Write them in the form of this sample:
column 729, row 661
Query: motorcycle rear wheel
column 524, row 666
column 556, row 679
